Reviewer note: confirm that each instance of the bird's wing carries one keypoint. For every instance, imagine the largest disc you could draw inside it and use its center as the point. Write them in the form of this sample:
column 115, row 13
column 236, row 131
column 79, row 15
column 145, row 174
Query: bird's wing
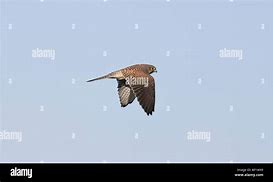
column 145, row 93
column 126, row 94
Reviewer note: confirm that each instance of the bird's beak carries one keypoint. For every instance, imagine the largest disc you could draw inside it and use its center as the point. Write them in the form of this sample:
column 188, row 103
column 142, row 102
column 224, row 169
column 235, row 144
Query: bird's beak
column 155, row 71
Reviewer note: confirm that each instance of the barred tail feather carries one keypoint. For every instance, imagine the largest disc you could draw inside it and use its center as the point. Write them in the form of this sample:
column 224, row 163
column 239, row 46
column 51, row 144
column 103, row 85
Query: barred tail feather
column 99, row 78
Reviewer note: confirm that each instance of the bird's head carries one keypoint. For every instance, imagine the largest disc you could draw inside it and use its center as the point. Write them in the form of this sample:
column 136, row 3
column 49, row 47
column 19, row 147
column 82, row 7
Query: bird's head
column 152, row 69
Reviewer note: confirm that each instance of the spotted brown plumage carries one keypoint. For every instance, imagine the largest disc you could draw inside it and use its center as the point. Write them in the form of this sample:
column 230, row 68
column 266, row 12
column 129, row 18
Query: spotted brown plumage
column 135, row 82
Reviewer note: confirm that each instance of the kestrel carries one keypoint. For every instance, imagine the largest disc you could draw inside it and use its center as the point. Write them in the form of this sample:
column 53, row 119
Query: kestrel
column 135, row 81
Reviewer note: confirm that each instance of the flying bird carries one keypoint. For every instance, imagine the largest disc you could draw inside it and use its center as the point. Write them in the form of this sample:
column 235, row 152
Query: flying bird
column 135, row 82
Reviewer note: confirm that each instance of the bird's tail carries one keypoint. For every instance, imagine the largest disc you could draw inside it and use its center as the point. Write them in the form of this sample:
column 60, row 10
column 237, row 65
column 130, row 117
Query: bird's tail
column 99, row 78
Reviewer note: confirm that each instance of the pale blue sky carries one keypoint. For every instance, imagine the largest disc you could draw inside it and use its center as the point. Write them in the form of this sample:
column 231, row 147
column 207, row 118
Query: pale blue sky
column 74, row 126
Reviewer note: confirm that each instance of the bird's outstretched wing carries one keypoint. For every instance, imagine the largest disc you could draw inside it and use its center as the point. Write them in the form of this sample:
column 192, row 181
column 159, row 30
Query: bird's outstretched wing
column 126, row 94
column 145, row 93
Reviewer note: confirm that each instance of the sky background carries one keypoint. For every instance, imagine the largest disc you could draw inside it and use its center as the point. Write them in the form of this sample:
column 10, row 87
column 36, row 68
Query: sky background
column 65, row 119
